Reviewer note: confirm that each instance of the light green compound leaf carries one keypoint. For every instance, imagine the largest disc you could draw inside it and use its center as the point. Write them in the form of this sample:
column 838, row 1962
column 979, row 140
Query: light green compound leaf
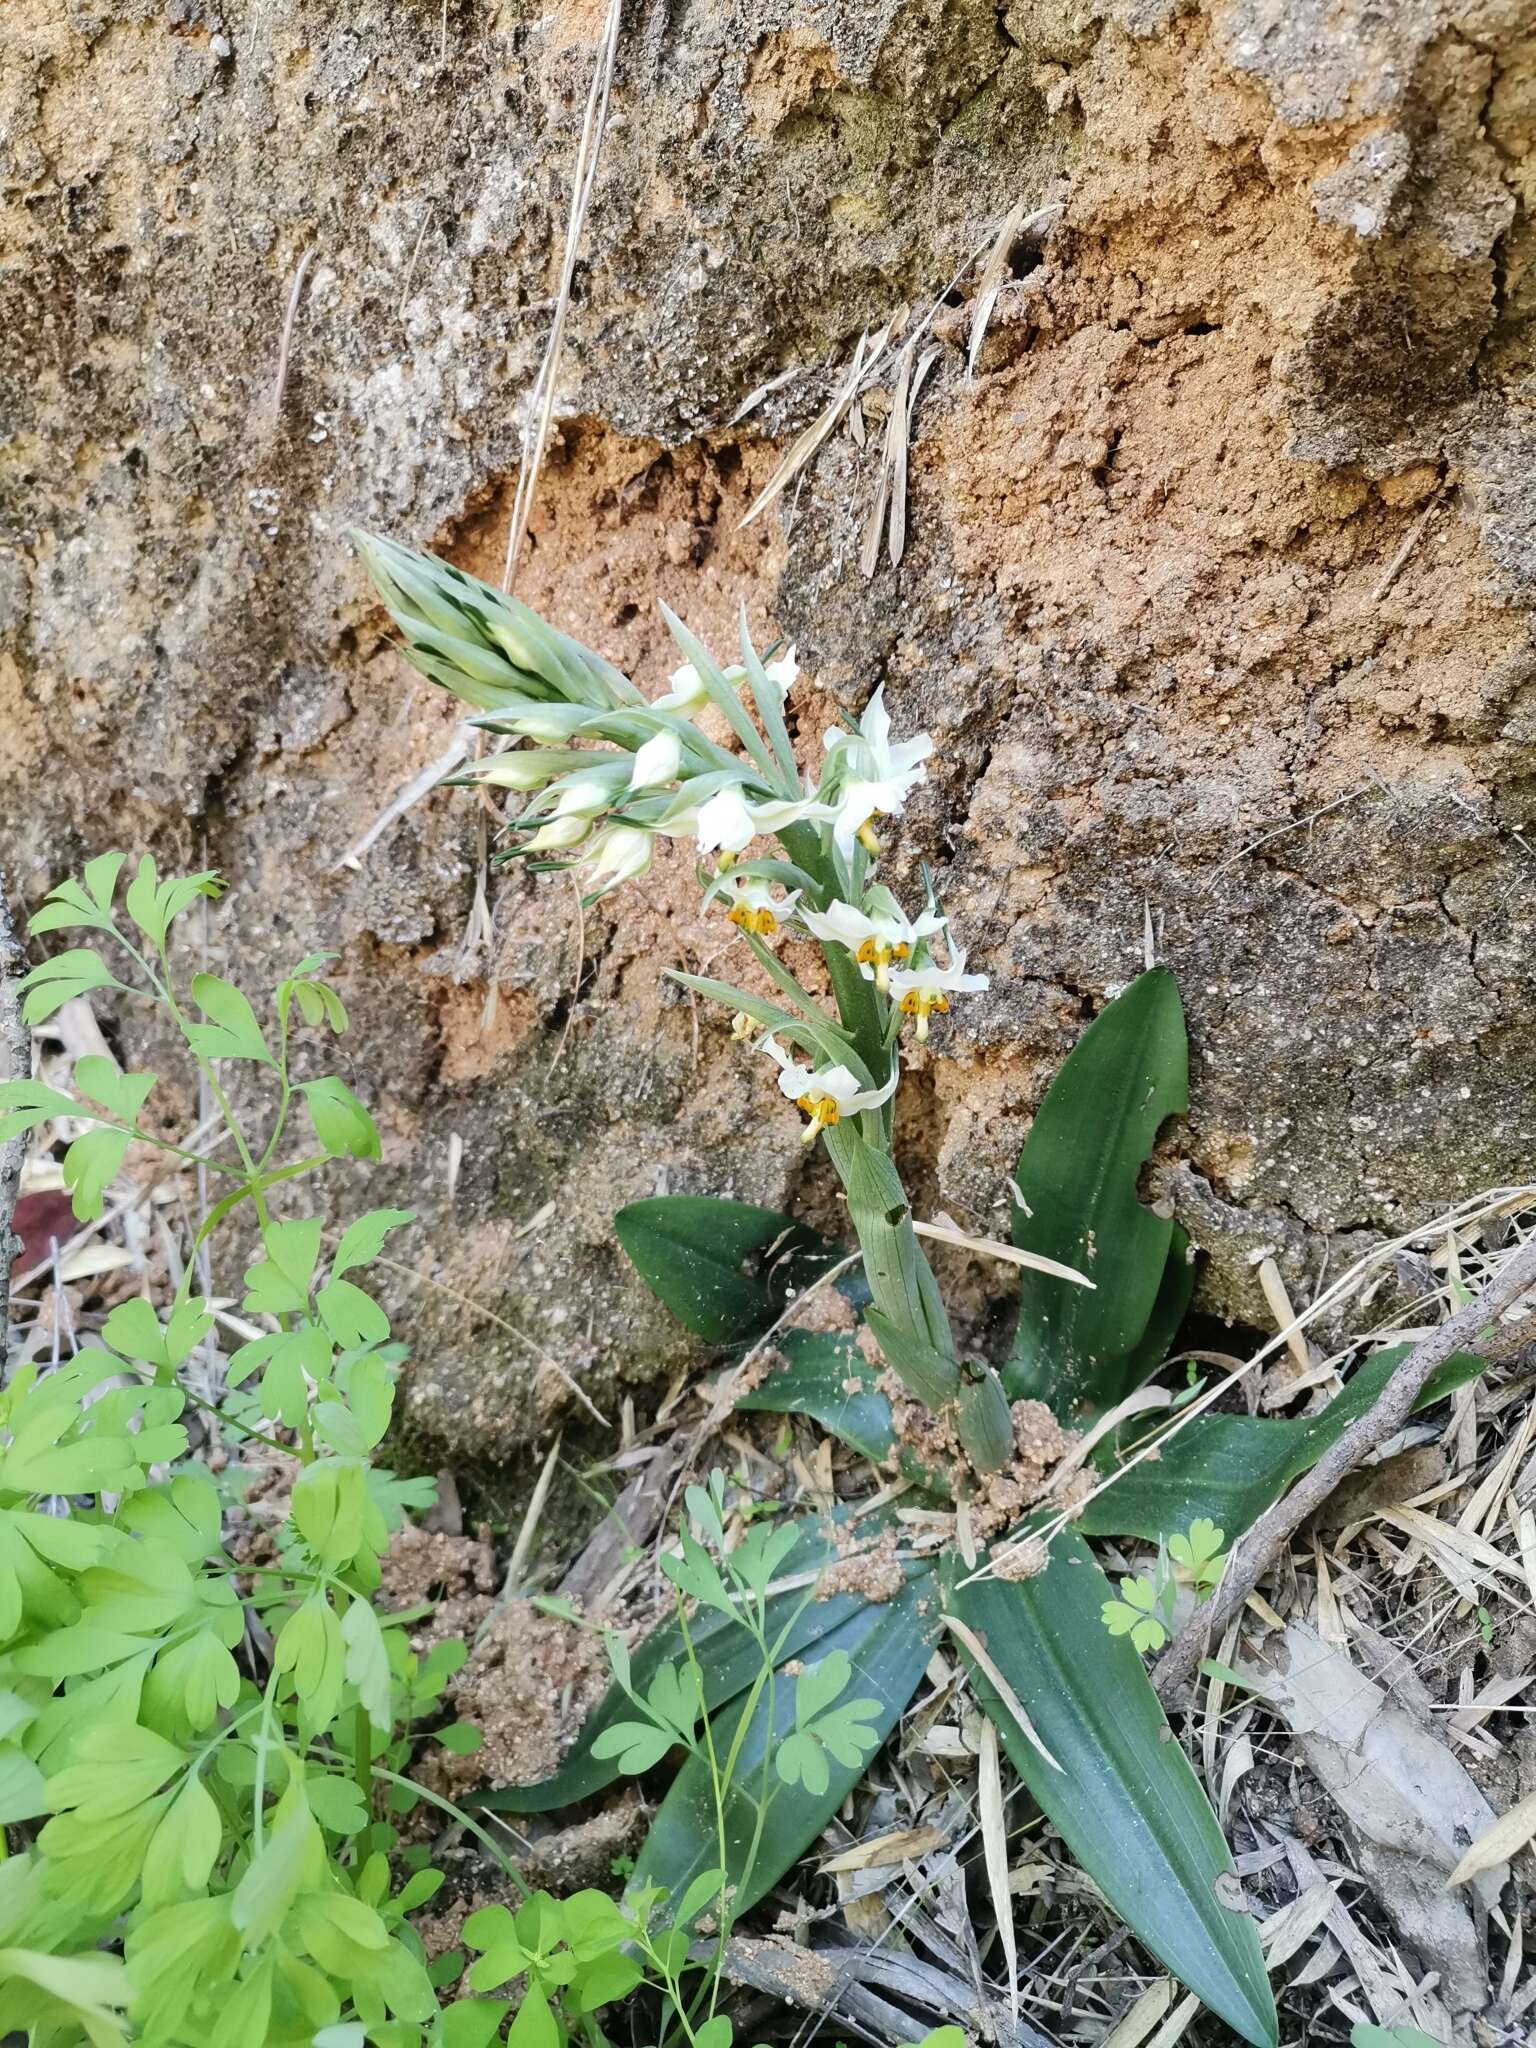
column 727, row 1655
column 367, row 1663
column 279, row 1284
column 134, row 1330
column 232, row 1032
column 342, row 1125
column 26, row 1104
column 91, row 1165
column 71, row 905
column 1123, row 1796
column 1077, row 1178
column 889, row 1645
column 352, row 1317
column 363, row 1240
column 104, row 1082
column 59, row 980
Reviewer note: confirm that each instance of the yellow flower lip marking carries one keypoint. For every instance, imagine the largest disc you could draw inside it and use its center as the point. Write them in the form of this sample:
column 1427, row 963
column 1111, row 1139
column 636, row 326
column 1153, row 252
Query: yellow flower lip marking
column 761, row 922
column 822, row 1111
column 918, row 1002
column 879, row 953
column 866, row 838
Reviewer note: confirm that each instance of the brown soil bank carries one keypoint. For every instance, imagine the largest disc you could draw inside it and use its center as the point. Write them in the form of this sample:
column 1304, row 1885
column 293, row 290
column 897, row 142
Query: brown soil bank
column 1233, row 524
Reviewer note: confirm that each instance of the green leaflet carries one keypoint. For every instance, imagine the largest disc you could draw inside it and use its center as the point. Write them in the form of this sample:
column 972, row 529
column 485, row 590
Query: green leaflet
column 889, row 1646
column 725, row 1269
column 729, row 1659
column 1125, row 1799
column 829, row 1379
column 1233, row 1467
column 1077, row 1177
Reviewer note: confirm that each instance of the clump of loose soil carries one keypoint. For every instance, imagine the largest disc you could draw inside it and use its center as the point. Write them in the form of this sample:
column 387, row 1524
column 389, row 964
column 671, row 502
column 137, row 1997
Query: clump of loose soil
column 528, row 1686
column 456, row 1573
column 873, row 1569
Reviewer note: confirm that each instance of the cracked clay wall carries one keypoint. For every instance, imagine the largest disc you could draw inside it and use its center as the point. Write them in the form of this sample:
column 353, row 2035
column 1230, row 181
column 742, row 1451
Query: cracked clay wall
column 1232, row 529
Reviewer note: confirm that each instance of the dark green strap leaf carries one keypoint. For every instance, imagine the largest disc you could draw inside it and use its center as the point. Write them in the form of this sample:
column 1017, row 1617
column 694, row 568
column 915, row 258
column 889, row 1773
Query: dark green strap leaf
column 1077, row 1176
column 827, row 1378
column 729, row 1660
column 725, row 1269
column 1233, row 1467
column 1125, row 1799
column 889, row 1646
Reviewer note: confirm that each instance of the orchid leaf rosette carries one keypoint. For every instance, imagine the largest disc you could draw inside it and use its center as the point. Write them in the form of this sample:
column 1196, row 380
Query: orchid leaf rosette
column 598, row 773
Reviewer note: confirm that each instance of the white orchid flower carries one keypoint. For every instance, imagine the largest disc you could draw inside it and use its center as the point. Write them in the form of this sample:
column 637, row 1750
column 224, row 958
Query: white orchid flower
column 874, row 937
column 921, row 990
column 585, row 795
column 782, row 672
column 558, row 835
column 657, row 761
column 754, row 907
column 826, row 1095
column 619, row 854
column 688, row 692
column 879, row 775
column 730, row 821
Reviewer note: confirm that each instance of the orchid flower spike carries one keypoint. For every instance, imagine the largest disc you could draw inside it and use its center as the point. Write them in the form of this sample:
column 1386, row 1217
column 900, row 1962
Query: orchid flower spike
column 921, row 990
column 826, row 1096
column 879, row 775
column 754, row 907
column 875, row 936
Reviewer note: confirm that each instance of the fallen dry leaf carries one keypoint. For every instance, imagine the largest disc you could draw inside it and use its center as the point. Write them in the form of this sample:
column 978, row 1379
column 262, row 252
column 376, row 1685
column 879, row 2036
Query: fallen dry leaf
column 1410, row 1806
column 1493, row 1848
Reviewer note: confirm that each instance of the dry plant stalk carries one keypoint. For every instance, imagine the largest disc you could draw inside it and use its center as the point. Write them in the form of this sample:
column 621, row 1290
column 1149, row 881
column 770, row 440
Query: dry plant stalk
column 1466, row 1330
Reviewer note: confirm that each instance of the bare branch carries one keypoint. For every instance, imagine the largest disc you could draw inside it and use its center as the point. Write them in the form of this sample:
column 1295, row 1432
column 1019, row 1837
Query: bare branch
column 1468, row 1330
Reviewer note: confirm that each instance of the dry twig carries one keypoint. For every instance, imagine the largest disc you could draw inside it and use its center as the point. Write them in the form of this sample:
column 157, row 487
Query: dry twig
column 1467, row 1330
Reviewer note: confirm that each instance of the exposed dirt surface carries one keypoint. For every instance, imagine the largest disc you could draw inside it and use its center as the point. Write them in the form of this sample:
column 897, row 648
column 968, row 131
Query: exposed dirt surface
column 1235, row 523
column 527, row 1687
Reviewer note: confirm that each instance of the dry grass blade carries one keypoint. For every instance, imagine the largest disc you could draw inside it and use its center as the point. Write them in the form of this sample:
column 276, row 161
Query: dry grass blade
column 976, row 1649
column 1144, row 2015
column 994, row 1248
column 898, row 537
column 990, row 283
column 805, row 445
column 1177, row 2023
column 994, row 1844
column 994, row 274
column 582, row 183
column 869, row 553
column 1508, row 1835
column 883, row 1852
column 405, row 800
column 523, row 1548
column 285, row 346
